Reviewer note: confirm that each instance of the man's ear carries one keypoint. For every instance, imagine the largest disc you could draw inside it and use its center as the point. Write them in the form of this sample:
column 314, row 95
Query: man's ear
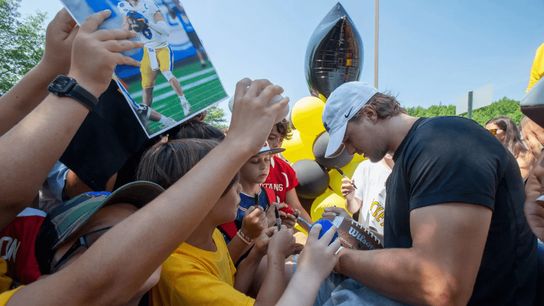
column 369, row 113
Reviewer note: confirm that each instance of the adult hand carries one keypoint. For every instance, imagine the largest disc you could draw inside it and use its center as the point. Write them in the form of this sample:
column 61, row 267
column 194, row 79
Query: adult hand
column 254, row 222
column 95, row 53
column 59, row 37
column 282, row 243
column 348, row 188
column 319, row 255
column 254, row 113
column 331, row 212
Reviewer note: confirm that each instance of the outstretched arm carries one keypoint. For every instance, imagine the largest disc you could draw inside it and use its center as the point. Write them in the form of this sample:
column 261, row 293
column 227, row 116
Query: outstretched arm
column 29, row 149
column 167, row 225
column 22, row 98
column 280, row 246
column 315, row 263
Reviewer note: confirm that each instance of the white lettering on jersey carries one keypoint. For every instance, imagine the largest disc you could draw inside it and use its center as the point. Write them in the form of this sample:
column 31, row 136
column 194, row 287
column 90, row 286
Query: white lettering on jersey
column 10, row 248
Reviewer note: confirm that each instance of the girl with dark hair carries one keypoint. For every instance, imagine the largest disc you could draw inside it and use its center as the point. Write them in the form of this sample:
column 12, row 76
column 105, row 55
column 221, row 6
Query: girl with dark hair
column 506, row 131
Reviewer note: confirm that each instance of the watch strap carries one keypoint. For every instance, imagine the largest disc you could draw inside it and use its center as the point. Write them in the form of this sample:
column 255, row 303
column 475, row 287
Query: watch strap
column 83, row 96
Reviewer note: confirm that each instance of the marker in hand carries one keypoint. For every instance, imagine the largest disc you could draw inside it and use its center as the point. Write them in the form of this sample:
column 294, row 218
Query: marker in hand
column 278, row 219
column 343, row 175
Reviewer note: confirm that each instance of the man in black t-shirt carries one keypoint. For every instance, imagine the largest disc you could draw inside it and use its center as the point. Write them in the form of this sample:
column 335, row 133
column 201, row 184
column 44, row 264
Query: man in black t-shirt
column 454, row 232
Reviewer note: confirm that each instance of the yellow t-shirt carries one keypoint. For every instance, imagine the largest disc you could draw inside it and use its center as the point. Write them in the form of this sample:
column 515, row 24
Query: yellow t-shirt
column 5, row 281
column 5, row 296
column 192, row 276
column 537, row 70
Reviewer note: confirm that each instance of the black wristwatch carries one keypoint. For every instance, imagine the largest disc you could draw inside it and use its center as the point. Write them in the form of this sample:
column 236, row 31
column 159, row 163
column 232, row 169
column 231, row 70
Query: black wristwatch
column 64, row 86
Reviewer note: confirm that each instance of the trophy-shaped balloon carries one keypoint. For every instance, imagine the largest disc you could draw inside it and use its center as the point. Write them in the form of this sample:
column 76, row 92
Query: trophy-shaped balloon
column 334, row 54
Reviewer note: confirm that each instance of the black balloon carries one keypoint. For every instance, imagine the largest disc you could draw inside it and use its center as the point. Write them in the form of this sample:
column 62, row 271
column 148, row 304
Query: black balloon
column 334, row 54
column 319, row 148
column 313, row 180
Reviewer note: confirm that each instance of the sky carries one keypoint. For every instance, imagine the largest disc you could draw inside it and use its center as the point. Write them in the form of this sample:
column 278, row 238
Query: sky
column 431, row 51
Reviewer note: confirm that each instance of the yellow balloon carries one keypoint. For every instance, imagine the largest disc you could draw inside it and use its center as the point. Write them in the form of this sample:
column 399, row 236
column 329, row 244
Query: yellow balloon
column 297, row 148
column 335, row 182
column 307, row 116
column 358, row 158
column 328, row 199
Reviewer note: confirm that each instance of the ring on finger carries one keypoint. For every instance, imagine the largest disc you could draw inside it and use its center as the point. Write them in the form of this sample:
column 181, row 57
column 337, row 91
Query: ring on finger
column 339, row 250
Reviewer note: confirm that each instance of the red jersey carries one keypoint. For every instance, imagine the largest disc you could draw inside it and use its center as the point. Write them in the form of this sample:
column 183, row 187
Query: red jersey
column 17, row 241
column 281, row 178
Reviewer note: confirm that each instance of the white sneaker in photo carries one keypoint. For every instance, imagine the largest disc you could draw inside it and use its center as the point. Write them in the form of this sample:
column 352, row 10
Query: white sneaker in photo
column 167, row 121
column 185, row 105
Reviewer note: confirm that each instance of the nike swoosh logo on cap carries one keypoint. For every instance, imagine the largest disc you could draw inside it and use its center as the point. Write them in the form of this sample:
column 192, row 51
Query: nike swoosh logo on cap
column 347, row 115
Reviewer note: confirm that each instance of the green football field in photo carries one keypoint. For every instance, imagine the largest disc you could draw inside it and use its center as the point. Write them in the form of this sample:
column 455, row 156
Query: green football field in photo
column 200, row 85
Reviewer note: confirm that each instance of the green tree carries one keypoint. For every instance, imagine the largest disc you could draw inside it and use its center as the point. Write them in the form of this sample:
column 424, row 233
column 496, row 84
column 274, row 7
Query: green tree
column 216, row 117
column 432, row 111
column 21, row 43
column 503, row 107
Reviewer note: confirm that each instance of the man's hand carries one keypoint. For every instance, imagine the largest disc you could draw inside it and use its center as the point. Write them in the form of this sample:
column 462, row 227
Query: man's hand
column 95, row 53
column 254, row 113
column 58, row 43
column 254, row 222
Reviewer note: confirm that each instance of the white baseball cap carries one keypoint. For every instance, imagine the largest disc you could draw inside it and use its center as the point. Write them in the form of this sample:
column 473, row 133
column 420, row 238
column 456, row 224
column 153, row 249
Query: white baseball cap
column 343, row 103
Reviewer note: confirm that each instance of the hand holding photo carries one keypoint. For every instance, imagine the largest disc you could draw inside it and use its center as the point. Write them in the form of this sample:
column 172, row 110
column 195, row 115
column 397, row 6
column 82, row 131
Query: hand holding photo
column 175, row 80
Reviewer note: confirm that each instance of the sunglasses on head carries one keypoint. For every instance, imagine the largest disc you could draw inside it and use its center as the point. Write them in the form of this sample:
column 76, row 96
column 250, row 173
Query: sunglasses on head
column 493, row 131
column 84, row 241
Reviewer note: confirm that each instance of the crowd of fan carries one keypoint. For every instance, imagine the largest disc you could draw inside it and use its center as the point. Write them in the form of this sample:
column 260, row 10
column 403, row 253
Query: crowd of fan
column 198, row 225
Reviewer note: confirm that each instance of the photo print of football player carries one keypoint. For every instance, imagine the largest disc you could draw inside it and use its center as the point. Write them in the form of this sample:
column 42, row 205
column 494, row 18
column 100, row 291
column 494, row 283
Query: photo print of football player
column 175, row 9
column 145, row 18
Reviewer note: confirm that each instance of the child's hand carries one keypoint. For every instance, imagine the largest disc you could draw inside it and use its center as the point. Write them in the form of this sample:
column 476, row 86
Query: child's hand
column 261, row 243
column 271, row 216
column 331, row 212
column 348, row 188
column 282, row 243
column 286, row 218
column 254, row 222
column 318, row 257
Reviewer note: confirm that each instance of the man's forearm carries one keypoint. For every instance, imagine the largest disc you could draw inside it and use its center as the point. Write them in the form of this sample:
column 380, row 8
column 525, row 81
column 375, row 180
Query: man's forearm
column 400, row 274
column 24, row 96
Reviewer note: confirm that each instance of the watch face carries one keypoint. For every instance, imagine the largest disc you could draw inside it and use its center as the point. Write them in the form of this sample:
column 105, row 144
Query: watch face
column 62, row 84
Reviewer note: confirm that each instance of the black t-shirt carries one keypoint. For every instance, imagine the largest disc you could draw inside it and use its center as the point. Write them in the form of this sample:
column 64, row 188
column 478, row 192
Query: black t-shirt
column 452, row 159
